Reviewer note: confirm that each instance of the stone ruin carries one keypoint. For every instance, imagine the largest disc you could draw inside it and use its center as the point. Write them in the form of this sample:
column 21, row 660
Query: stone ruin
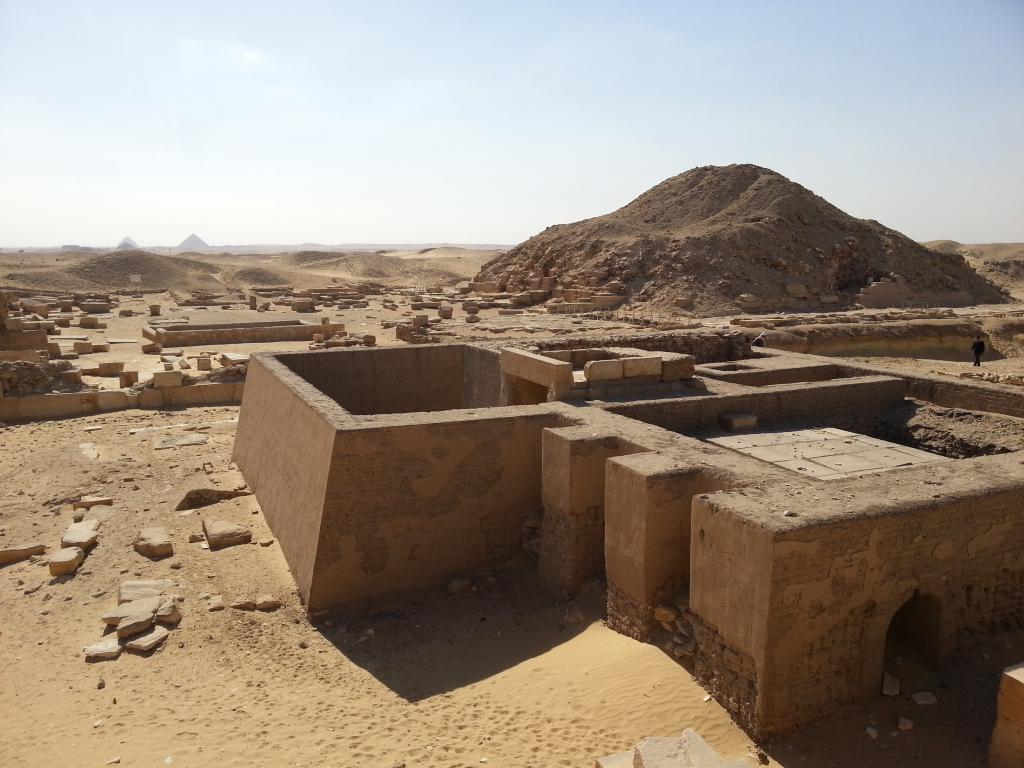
column 757, row 514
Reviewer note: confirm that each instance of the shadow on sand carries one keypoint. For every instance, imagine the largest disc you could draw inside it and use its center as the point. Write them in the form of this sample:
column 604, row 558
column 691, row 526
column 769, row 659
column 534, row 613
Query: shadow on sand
column 431, row 642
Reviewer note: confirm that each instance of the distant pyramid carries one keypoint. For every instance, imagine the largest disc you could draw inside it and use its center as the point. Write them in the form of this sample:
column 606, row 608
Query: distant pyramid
column 127, row 244
column 192, row 242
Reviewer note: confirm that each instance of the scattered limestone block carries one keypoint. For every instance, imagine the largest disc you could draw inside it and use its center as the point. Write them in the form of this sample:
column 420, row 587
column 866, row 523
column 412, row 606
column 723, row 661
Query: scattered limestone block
column 216, row 603
column 138, row 607
column 221, row 533
column 603, row 370
column 107, row 648
column 676, row 367
column 82, row 535
column 924, row 698
column 127, row 378
column 244, row 604
column 66, row 561
column 641, row 366
column 88, row 502
column 163, row 379
column 136, row 590
column 154, row 542
column 148, row 640
column 738, row 422
column 134, row 624
column 204, row 363
column 18, row 552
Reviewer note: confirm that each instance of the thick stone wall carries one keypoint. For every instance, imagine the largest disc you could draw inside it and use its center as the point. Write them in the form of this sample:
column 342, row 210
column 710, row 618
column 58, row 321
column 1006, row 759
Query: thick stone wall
column 241, row 333
column 408, row 505
column 705, row 346
column 779, row 403
column 284, row 446
column 481, row 377
column 386, row 380
column 809, row 597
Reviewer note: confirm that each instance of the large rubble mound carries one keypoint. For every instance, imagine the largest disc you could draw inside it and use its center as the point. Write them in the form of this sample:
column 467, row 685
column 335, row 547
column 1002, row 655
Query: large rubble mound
column 721, row 238
column 115, row 270
column 21, row 377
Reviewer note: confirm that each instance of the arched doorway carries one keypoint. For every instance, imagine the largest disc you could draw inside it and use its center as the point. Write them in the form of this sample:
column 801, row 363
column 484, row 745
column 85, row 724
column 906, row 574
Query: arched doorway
column 913, row 642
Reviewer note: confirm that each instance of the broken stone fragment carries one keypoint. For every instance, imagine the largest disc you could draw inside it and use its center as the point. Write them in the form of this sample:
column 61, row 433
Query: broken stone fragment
column 244, row 604
column 168, row 612
column 267, row 603
column 136, row 590
column 924, row 698
column 66, row 561
column 216, row 603
column 107, row 648
column 195, row 537
column 221, row 534
column 18, row 552
column 148, row 640
column 132, row 625
column 154, row 542
column 132, row 608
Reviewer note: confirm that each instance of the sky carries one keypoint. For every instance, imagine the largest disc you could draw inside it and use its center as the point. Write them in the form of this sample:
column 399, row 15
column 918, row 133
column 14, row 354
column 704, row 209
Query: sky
column 252, row 121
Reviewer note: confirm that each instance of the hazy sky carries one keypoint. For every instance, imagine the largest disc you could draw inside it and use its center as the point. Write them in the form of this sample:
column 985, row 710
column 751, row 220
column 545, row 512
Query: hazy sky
column 484, row 122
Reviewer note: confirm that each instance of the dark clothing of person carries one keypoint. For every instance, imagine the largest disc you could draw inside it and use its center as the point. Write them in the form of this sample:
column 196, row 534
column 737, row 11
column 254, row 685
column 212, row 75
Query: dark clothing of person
column 978, row 348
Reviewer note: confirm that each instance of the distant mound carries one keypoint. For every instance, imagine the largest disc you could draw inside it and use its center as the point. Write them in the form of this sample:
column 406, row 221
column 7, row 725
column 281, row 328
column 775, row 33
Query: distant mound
column 376, row 266
column 127, row 244
column 192, row 242
column 114, row 270
column 739, row 238
column 260, row 276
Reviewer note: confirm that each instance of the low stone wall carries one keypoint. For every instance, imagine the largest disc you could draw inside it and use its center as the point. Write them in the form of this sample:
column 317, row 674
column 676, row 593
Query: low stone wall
column 705, row 346
column 238, row 333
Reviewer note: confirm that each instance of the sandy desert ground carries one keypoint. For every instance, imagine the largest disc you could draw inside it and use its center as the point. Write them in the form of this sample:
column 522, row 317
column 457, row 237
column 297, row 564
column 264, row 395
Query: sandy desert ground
column 496, row 675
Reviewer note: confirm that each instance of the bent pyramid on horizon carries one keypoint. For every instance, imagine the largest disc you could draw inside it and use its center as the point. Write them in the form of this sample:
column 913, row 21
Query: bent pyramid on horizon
column 193, row 241
column 127, row 244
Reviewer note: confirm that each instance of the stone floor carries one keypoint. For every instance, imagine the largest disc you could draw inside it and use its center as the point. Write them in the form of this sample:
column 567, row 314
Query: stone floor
column 826, row 454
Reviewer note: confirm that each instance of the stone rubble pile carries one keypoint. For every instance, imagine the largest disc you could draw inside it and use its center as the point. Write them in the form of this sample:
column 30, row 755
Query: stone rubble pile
column 141, row 621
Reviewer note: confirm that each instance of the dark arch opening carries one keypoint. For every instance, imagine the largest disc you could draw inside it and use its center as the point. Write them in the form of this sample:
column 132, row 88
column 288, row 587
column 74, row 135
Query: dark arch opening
column 913, row 641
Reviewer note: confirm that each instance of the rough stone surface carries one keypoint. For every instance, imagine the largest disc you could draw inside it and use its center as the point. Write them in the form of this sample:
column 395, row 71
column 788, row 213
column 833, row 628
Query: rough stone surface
column 135, row 590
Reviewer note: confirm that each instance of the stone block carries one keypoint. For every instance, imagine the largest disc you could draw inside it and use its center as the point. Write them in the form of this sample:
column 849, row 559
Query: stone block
column 154, row 542
column 18, row 552
column 221, row 534
column 1006, row 749
column 641, row 366
column 603, row 370
column 137, row 590
column 103, row 650
column 676, row 367
column 147, row 640
column 163, row 379
column 127, row 378
column 65, row 561
column 204, row 364
column 83, row 347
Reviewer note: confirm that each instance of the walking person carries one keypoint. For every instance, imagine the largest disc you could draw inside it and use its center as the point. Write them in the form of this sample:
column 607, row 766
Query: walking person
column 978, row 348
